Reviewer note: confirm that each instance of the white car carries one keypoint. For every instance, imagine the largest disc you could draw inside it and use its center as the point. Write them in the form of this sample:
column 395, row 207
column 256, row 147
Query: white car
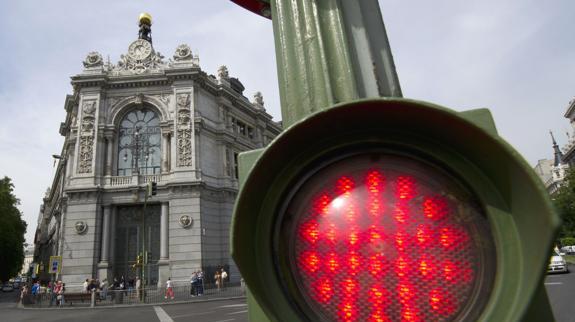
column 7, row 287
column 557, row 264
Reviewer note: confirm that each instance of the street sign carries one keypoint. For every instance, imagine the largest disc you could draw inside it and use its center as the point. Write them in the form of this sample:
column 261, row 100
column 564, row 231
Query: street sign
column 55, row 264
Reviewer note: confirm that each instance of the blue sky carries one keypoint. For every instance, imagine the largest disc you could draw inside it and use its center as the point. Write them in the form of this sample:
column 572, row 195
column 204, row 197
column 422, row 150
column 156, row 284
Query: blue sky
column 515, row 57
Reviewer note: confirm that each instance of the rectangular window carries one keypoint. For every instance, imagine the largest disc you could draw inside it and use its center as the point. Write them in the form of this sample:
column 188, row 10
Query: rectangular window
column 250, row 132
column 236, row 173
column 234, row 127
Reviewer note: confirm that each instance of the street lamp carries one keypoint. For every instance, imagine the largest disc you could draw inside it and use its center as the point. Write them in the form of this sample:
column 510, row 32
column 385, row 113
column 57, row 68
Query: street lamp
column 138, row 145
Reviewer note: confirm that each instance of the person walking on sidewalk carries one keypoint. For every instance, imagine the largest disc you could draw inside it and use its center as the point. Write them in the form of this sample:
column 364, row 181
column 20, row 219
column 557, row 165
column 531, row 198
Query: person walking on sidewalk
column 218, row 279
column 194, row 284
column 169, row 290
column 200, row 284
column 224, row 278
column 139, row 288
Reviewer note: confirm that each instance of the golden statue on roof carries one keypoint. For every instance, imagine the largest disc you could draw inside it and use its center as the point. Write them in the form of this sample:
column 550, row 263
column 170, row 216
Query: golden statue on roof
column 145, row 23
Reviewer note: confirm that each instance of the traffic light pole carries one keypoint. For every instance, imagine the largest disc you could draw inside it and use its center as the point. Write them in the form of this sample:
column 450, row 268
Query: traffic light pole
column 327, row 52
column 145, row 258
column 330, row 52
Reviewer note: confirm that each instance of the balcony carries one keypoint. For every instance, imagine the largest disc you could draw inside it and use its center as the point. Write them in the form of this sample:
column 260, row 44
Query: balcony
column 126, row 181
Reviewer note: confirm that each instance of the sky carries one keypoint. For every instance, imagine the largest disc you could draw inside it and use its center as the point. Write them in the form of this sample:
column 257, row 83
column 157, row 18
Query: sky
column 515, row 57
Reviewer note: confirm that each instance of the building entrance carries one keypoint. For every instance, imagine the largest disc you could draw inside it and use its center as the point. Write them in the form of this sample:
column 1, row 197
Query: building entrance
column 129, row 242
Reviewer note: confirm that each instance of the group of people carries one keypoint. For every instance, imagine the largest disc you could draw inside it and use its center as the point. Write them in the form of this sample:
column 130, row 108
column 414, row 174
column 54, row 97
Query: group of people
column 94, row 285
column 220, row 278
column 197, row 283
column 54, row 290
column 103, row 287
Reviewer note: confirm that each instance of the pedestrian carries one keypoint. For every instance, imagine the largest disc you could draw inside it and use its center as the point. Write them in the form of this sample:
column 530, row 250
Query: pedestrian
column 63, row 291
column 51, row 292
column 200, row 283
column 115, row 288
column 85, row 286
column 123, row 286
column 139, row 288
column 218, row 279
column 35, row 290
column 224, row 278
column 23, row 293
column 104, row 289
column 194, row 286
column 58, row 292
column 169, row 290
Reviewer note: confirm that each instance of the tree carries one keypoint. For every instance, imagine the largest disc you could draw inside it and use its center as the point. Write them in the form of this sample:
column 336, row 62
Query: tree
column 564, row 200
column 12, row 230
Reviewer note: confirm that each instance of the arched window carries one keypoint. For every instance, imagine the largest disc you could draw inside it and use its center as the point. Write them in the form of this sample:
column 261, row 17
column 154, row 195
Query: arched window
column 139, row 143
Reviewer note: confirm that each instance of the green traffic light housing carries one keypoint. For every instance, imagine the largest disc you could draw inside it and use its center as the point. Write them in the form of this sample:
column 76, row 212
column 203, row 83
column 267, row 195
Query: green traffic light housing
column 485, row 177
column 152, row 189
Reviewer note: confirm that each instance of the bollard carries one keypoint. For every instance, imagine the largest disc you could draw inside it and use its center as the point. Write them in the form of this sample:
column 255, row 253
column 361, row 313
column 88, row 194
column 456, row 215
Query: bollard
column 93, row 299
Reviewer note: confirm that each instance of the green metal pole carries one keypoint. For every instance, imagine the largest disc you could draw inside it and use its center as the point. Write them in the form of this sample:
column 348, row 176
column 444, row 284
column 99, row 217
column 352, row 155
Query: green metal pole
column 328, row 52
column 144, row 255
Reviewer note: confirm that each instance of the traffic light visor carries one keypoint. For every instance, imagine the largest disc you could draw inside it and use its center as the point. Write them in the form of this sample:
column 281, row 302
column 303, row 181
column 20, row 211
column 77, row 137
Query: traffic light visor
column 378, row 236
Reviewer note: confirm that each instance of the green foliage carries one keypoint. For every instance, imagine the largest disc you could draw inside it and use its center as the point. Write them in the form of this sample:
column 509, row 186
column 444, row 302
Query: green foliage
column 12, row 230
column 564, row 200
column 568, row 241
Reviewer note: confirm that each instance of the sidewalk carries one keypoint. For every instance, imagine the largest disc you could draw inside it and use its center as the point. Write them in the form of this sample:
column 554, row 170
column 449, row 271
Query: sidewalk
column 125, row 298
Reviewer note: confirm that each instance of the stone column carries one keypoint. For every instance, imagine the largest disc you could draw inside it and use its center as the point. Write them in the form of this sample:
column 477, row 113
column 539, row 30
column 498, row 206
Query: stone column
column 106, row 234
column 165, row 150
column 163, row 263
column 164, row 231
column 110, row 154
column 103, row 266
column 112, row 240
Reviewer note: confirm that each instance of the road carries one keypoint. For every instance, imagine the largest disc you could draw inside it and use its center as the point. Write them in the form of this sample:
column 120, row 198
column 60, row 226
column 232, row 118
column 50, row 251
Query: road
column 560, row 288
column 210, row 311
column 561, row 292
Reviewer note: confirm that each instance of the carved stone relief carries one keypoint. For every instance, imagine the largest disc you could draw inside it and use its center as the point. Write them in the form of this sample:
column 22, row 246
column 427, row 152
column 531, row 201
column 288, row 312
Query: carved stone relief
column 183, row 52
column 87, row 137
column 89, row 108
column 186, row 221
column 93, row 59
column 164, row 98
column 184, row 135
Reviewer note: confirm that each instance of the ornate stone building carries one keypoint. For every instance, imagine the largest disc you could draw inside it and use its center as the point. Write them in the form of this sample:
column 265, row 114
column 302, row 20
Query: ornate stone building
column 148, row 119
column 553, row 172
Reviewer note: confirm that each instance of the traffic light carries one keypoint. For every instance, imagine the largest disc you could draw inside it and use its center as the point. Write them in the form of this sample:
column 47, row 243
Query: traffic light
column 152, row 188
column 392, row 209
column 381, row 209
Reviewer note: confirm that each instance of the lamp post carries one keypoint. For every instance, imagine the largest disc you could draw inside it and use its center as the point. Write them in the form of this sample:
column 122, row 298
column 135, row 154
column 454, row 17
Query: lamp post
column 139, row 144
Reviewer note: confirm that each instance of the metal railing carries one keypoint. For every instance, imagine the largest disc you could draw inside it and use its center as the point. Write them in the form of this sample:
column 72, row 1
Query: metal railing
column 151, row 295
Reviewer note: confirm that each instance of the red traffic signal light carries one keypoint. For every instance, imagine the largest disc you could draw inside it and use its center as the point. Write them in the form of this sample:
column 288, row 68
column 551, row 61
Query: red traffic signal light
column 392, row 209
column 377, row 235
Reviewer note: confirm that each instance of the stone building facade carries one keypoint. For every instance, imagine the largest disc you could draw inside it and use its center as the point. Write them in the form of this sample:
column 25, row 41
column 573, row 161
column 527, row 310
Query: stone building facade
column 148, row 119
column 553, row 172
